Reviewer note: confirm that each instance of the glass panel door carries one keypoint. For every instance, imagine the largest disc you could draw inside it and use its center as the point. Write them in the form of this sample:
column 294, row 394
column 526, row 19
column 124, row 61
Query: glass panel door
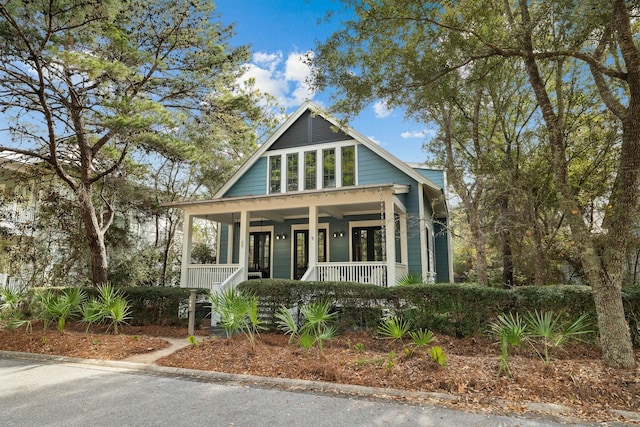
column 367, row 244
column 260, row 253
column 301, row 251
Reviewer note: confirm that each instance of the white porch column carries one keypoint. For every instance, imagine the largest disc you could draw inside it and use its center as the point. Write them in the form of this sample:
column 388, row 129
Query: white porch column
column 313, row 236
column 424, row 242
column 187, row 227
column 230, row 230
column 390, row 240
column 243, row 258
column 404, row 244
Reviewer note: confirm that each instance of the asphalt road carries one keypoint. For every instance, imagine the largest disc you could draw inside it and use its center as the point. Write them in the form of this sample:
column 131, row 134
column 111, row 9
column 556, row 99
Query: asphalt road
column 43, row 393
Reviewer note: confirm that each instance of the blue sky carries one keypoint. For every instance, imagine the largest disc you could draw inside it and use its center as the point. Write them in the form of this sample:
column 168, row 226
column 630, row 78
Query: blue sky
column 279, row 32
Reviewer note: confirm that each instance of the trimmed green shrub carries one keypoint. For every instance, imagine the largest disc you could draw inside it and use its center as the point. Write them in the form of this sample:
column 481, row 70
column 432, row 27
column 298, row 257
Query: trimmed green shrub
column 454, row 309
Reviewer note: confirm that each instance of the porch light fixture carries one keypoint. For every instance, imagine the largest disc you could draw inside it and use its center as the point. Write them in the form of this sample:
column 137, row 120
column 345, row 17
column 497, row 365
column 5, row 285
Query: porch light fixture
column 338, row 233
column 281, row 236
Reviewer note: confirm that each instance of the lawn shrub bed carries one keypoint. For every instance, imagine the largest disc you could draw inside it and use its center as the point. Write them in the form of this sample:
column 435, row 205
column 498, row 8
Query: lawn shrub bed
column 459, row 310
column 154, row 305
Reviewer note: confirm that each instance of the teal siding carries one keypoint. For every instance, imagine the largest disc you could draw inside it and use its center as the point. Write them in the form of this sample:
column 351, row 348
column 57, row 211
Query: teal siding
column 282, row 256
column 441, row 252
column 223, row 231
column 253, row 182
column 434, row 175
column 373, row 169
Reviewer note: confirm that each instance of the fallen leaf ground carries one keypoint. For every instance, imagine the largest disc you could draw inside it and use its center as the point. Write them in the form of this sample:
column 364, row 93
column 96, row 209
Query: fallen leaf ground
column 575, row 378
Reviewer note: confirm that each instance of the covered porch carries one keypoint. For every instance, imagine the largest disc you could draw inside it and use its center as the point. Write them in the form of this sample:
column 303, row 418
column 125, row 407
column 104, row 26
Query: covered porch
column 354, row 234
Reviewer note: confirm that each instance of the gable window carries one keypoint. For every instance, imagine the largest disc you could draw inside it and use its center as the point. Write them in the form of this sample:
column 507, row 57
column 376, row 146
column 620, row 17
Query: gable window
column 292, row 172
column 275, row 179
column 310, row 170
column 329, row 168
column 348, row 165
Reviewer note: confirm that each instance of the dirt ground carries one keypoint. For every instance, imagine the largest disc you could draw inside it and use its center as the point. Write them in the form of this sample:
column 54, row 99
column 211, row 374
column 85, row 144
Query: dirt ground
column 576, row 377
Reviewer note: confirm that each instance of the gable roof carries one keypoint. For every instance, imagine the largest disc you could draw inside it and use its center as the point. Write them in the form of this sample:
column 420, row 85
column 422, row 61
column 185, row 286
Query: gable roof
column 343, row 132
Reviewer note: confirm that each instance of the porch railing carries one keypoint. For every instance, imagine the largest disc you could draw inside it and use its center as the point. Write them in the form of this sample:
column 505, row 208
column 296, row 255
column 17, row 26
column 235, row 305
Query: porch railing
column 209, row 276
column 374, row 273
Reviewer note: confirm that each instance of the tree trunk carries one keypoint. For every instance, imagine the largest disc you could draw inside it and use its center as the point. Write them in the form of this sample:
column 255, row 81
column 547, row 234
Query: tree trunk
column 605, row 281
column 95, row 236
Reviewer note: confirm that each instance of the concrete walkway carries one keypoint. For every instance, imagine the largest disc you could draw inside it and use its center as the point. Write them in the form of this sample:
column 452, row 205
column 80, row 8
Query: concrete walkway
column 151, row 357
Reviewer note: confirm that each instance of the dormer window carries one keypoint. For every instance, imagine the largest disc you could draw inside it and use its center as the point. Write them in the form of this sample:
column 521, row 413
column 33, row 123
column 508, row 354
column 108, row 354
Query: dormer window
column 329, row 168
column 348, row 166
column 324, row 167
column 292, row 172
column 275, row 174
column 310, row 170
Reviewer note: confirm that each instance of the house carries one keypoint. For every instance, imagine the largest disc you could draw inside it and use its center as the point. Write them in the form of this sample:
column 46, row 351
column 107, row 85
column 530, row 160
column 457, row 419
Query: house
column 319, row 202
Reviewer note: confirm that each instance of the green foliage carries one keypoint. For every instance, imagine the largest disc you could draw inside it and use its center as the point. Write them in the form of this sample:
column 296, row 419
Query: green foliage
column 438, row 356
column 195, row 343
column 458, row 310
column 113, row 308
column 510, row 331
column 547, row 331
column 410, row 279
column 394, row 327
column 238, row 313
column 316, row 325
column 58, row 306
column 422, row 337
column 544, row 331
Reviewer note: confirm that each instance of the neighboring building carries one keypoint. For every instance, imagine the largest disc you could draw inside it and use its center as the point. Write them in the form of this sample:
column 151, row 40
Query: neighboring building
column 318, row 203
column 40, row 238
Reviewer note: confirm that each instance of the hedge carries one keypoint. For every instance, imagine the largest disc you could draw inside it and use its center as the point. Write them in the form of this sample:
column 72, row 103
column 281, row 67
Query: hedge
column 155, row 305
column 455, row 309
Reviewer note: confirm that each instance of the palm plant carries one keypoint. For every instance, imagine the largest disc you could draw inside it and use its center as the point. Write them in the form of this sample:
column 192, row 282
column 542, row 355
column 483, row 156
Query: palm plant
column 238, row 313
column 58, row 307
column 111, row 307
column 422, row 337
column 410, row 279
column 91, row 313
column 316, row 327
column 547, row 331
column 510, row 331
column 394, row 327
column 12, row 304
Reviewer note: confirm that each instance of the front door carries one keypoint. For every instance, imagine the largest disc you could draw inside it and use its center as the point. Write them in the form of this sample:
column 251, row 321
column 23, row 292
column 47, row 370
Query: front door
column 260, row 253
column 301, row 251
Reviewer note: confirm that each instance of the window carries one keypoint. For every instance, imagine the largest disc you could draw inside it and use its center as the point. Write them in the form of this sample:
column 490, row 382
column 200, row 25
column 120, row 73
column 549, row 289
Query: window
column 348, row 166
column 367, row 244
column 329, row 168
column 274, row 174
column 310, row 170
column 292, row 172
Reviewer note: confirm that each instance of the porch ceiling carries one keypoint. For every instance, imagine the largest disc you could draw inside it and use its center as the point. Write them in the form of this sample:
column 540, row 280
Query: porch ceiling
column 335, row 203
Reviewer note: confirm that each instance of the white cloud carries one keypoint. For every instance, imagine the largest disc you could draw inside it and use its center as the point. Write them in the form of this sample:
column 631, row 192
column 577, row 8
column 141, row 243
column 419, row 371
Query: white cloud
column 426, row 133
column 284, row 79
column 381, row 109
